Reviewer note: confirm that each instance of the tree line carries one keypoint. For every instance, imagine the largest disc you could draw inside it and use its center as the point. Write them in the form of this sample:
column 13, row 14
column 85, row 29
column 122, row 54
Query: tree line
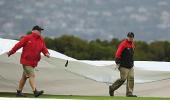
column 105, row 50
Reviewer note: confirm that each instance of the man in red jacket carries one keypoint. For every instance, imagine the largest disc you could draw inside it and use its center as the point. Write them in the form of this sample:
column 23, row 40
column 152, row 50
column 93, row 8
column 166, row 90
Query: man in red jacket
column 124, row 59
column 32, row 44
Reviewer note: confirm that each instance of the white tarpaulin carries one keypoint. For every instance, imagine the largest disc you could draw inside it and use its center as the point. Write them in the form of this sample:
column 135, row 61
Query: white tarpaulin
column 80, row 77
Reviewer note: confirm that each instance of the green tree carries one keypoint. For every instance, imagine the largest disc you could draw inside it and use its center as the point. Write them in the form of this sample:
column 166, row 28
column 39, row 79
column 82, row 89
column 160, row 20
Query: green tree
column 105, row 50
column 142, row 51
column 157, row 51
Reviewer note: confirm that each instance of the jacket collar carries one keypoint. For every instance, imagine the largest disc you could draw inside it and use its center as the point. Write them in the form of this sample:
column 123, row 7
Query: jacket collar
column 128, row 41
column 36, row 35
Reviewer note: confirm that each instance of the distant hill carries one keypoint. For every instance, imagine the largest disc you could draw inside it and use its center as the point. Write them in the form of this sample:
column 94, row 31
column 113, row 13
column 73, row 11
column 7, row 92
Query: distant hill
column 88, row 19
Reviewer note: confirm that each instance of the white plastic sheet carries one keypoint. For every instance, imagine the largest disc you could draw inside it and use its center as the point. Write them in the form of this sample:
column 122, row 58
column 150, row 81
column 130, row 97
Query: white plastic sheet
column 78, row 77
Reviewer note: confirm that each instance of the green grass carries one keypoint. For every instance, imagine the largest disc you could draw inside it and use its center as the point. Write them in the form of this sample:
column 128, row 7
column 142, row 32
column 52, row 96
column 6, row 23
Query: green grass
column 12, row 95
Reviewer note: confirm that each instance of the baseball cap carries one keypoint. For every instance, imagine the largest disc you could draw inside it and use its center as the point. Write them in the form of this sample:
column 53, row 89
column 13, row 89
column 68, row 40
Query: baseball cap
column 37, row 28
column 130, row 34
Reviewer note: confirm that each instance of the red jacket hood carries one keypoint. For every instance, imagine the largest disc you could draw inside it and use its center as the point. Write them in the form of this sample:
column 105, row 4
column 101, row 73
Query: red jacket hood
column 35, row 35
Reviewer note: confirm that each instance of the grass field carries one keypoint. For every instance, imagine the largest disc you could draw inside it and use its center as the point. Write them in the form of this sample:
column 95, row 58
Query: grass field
column 12, row 95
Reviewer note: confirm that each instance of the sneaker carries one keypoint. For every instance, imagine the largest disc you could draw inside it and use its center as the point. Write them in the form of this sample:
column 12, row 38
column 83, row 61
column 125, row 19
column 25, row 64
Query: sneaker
column 20, row 94
column 38, row 93
column 111, row 91
column 131, row 95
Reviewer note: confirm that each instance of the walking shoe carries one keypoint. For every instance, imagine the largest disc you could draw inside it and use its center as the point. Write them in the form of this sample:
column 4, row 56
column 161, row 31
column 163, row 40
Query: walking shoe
column 131, row 95
column 38, row 93
column 20, row 94
column 111, row 91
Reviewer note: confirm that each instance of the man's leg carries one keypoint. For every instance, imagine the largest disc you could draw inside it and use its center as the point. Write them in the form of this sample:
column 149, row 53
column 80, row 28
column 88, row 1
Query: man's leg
column 22, row 82
column 130, row 83
column 21, row 85
column 31, row 75
column 33, row 86
column 32, row 81
column 123, row 76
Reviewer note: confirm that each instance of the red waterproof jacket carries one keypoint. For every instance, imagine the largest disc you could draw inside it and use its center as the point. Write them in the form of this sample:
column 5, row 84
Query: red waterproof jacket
column 33, row 45
column 125, row 53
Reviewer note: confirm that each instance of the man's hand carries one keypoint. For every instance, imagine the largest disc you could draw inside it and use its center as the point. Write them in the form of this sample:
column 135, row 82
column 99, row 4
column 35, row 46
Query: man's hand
column 117, row 61
column 47, row 55
column 9, row 53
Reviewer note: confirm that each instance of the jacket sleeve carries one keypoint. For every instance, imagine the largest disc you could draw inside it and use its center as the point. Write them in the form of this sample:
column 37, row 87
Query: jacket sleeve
column 44, row 49
column 20, row 44
column 120, row 50
column 119, row 53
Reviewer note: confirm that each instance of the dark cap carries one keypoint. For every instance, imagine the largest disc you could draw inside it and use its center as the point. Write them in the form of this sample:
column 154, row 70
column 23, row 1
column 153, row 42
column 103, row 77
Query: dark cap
column 130, row 34
column 37, row 28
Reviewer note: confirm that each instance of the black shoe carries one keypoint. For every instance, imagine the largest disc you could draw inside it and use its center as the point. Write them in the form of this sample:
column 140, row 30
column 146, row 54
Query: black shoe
column 20, row 94
column 131, row 95
column 38, row 93
column 111, row 91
